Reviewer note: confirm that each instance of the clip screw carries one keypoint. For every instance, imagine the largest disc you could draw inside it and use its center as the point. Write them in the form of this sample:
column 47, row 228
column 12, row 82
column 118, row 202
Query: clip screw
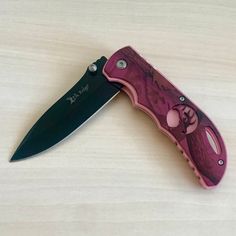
column 92, row 68
column 182, row 98
column 121, row 64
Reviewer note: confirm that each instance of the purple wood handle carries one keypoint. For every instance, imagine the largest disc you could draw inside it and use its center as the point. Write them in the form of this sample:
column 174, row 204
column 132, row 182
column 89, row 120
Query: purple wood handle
column 190, row 129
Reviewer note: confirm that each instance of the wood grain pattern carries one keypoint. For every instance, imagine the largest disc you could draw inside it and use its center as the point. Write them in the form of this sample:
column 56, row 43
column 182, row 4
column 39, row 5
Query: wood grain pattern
column 118, row 175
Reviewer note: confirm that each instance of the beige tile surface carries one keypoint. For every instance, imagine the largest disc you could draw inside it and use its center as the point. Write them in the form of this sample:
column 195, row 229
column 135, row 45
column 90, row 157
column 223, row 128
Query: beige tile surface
column 118, row 175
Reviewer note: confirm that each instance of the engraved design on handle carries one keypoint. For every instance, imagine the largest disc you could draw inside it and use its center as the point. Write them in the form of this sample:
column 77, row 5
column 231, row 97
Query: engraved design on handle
column 187, row 126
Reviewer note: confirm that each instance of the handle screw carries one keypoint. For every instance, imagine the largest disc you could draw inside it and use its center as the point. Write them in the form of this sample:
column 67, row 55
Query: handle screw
column 121, row 64
column 182, row 98
column 92, row 68
column 221, row 162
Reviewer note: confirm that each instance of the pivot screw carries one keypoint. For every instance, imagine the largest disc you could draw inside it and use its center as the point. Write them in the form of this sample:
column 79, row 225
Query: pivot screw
column 92, row 68
column 182, row 98
column 121, row 64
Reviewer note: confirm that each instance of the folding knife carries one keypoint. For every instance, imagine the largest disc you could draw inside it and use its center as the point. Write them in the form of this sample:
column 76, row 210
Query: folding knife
column 181, row 120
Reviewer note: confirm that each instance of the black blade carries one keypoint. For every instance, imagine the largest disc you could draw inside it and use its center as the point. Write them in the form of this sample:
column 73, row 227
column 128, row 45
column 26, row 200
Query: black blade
column 87, row 96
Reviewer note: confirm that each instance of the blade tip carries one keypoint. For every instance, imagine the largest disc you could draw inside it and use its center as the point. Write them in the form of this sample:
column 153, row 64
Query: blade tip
column 13, row 158
column 16, row 157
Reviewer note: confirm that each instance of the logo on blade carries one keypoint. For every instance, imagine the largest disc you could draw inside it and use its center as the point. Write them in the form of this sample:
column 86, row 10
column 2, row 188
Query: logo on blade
column 72, row 99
